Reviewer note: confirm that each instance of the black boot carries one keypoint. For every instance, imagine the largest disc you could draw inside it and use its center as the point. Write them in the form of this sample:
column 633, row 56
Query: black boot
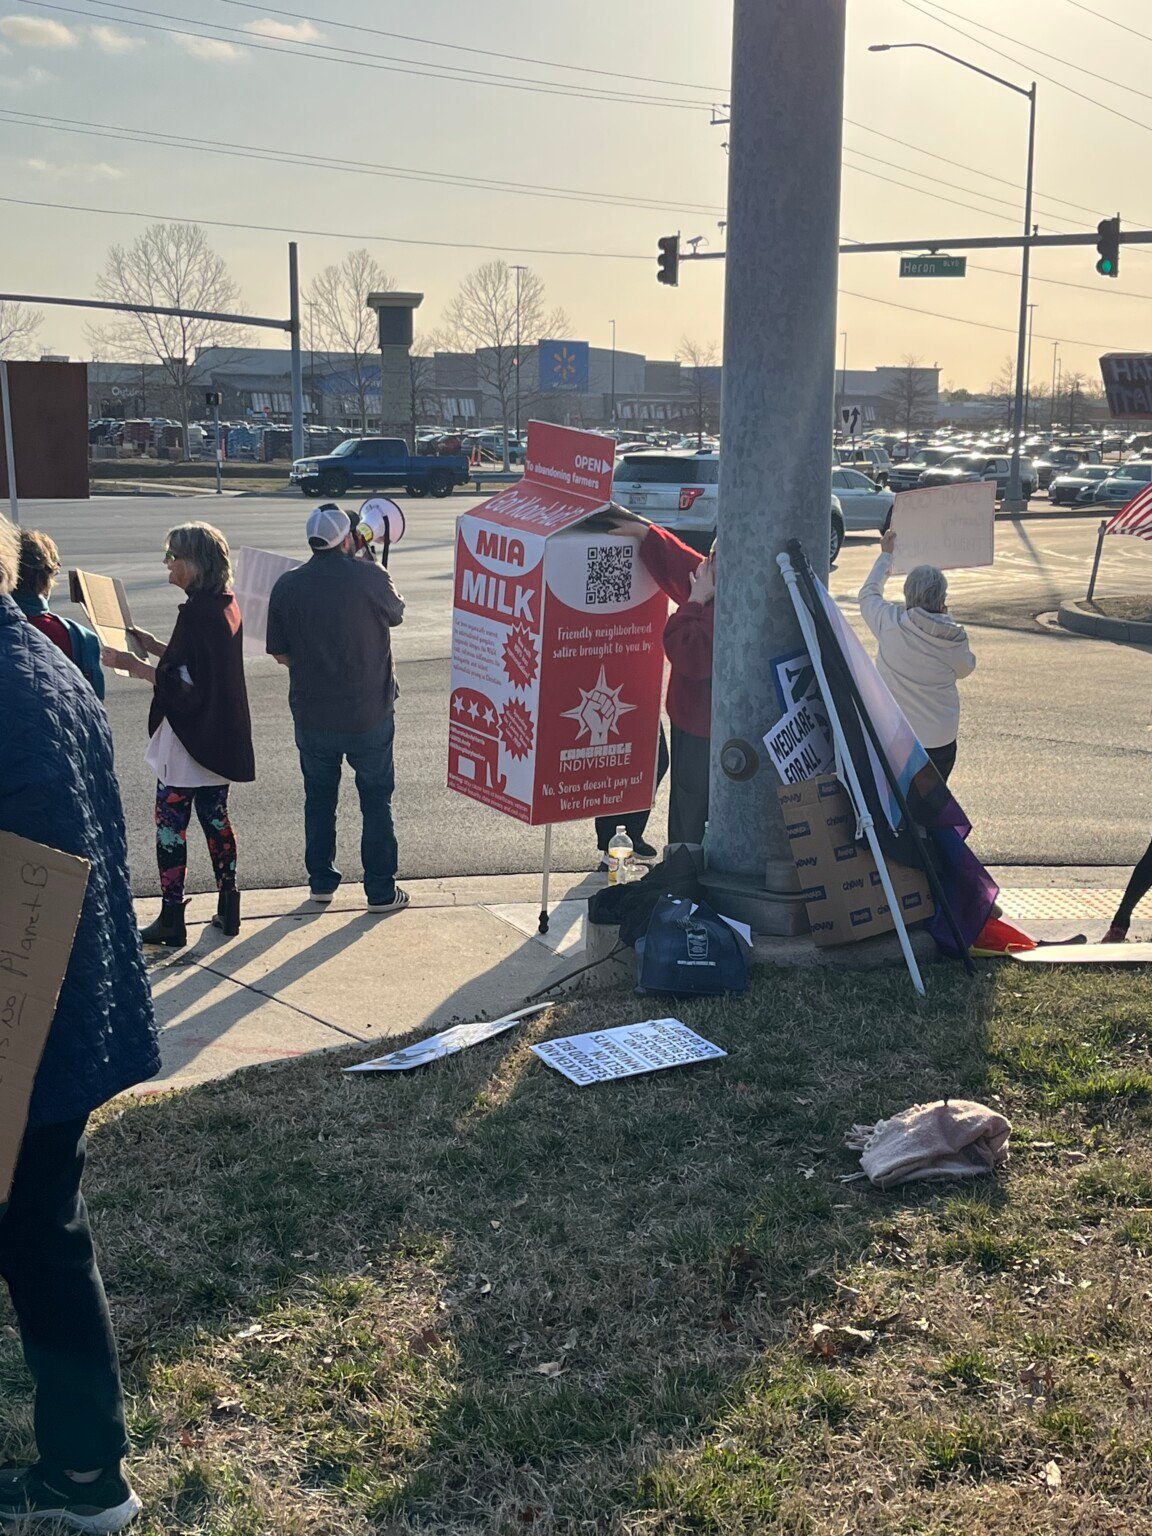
column 227, row 917
column 168, row 928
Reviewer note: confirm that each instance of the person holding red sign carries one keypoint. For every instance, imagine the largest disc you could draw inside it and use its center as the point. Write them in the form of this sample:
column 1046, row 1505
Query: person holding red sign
column 689, row 579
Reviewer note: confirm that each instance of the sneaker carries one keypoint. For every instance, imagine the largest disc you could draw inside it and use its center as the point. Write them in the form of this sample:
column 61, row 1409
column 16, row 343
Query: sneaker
column 398, row 902
column 43, row 1495
column 323, row 897
column 1116, row 935
column 645, row 850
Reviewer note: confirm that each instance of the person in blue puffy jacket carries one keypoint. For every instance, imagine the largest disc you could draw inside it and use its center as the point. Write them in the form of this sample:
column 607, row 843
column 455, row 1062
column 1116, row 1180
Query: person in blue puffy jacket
column 57, row 787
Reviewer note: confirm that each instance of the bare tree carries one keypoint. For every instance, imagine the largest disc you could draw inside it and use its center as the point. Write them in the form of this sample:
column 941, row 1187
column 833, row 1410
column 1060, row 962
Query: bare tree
column 18, row 326
column 482, row 318
column 171, row 265
column 911, row 396
column 341, row 321
column 701, row 357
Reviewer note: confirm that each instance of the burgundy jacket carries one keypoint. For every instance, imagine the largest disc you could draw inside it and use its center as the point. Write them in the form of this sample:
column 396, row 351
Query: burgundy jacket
column 210, row 715
column 687, row 634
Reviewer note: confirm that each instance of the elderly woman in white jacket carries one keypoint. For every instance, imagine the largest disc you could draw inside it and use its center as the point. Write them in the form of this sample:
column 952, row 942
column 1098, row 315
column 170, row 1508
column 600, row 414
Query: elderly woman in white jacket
column 922, row 652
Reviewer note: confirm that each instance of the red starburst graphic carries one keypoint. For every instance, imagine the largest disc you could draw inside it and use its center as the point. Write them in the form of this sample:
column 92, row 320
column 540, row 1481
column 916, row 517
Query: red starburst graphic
column 521, row 658
column 516, row 729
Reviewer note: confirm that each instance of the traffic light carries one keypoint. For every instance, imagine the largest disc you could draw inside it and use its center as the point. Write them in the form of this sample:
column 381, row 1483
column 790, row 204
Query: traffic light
column 1108, row 244
column 668, row 261
column 211, row 398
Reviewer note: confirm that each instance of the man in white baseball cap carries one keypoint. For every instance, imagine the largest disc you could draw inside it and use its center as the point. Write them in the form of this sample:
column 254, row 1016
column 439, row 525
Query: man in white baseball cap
column 329, row 623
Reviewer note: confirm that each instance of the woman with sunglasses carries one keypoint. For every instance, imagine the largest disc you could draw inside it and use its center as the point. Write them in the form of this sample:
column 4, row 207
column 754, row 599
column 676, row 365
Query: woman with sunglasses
column 200, row 726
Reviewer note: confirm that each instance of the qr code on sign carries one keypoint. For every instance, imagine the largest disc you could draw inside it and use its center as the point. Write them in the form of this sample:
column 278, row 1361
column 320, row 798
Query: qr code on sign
column 609, row 574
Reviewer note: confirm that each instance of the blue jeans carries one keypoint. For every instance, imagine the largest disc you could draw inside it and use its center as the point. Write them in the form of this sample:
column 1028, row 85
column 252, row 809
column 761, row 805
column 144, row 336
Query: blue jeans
column 369, row 755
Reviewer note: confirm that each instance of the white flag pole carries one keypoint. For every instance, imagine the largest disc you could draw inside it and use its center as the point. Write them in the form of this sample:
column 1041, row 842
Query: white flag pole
column 844, row 757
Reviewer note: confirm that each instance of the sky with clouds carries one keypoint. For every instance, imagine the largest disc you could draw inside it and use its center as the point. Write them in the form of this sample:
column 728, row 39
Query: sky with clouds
column 431, row 124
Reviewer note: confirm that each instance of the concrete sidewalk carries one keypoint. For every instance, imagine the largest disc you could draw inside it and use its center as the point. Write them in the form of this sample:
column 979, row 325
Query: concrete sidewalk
column 301, row 977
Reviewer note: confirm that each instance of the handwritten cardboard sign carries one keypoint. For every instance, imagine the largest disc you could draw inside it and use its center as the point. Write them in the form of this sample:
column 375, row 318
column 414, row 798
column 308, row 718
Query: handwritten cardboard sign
column 106, row 601
column 41, row 894
column 950, row 526
column 257, row 572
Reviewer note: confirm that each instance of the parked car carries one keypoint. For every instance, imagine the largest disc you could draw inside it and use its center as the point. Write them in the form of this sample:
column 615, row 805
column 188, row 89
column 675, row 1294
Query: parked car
column 673, row 488
column 1118, row 489
column 1059, row 461
column 679, row 491
column 864, row 504
column 905, row 477
column 867, row 458
column 1064, row 490
column 965, row 467
column 379, row 463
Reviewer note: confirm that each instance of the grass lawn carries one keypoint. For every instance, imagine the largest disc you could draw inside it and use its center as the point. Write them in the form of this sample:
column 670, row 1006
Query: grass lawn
column 476, row 1299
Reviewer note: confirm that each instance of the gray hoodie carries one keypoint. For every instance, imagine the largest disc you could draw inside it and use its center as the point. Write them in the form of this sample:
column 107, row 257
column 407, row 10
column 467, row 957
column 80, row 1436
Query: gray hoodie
column 921, row 655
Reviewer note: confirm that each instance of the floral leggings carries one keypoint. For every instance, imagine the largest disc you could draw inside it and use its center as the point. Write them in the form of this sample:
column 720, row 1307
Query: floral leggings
column 173, row 813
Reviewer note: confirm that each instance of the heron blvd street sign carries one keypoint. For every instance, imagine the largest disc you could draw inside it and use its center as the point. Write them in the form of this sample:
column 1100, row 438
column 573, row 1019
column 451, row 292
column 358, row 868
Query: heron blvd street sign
column 933, row 266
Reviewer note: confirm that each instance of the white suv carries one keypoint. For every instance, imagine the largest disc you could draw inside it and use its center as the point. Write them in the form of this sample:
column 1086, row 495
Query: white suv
column 674, row 488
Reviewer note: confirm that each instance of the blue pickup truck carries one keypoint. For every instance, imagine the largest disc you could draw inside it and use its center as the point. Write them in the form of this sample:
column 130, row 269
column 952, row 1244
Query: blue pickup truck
column 377, row 464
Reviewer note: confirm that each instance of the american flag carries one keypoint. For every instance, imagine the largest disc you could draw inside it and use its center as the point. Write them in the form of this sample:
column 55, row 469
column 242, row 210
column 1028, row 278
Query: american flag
column 1136, row 517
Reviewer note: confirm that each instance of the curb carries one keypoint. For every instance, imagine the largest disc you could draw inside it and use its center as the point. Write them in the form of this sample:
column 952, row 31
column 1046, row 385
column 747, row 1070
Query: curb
column 1082, row 619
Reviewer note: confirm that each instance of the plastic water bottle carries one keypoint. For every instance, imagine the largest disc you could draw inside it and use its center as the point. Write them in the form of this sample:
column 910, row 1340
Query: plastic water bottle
column 619, row 852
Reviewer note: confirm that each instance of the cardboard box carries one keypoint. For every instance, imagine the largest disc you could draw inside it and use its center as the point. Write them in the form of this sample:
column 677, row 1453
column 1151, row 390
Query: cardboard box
column 557, row 642
column 839, row 880
column 41, row 894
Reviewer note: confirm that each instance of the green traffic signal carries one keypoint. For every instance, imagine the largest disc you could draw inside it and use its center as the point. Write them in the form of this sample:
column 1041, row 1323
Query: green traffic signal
column 1108, row 244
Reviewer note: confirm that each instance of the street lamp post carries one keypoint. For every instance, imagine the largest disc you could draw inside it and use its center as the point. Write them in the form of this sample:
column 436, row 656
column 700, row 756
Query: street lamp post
column 519, row 271
column 843, row 381
column 612, row 418
column 1013, row 501
column 1028, row 368
column 1055, row 365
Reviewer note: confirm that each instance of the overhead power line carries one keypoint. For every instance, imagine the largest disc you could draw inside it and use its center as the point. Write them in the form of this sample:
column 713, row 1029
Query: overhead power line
column 1051, row 79
column 487, row 53
column 1101, row 16
column 123, row 133
column 510, row 247
column 1081, row 69
column 240, row 38
column 276, row 229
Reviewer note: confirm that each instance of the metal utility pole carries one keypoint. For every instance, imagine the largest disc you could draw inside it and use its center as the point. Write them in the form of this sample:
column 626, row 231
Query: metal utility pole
column 779, row 388
column 1013, row 502
column 1052, row 411
column 9, row 447
column 843, row 381
column 294, row 334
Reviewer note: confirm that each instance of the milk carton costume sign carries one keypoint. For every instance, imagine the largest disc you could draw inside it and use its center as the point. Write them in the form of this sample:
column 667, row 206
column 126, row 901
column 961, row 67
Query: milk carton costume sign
column 557, row 655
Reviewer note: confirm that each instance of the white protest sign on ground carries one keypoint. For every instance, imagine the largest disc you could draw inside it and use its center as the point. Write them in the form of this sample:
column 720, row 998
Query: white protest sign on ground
column 800, row 743
column 458, row 1038
column 949, row 526
column 607, row 1054
column 257, row 572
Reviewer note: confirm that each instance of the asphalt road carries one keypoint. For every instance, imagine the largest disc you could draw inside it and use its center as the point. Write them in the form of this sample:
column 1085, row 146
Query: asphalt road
column 1054, row 745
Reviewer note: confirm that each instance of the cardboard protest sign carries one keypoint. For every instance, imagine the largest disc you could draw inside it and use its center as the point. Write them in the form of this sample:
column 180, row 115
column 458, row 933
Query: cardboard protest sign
column 107, row 605
column 607, row 1054
column 1127, row 380
column 950, row 526
column 800, row 743
column 257, row 572
column 41, row 894
column 557, row 653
